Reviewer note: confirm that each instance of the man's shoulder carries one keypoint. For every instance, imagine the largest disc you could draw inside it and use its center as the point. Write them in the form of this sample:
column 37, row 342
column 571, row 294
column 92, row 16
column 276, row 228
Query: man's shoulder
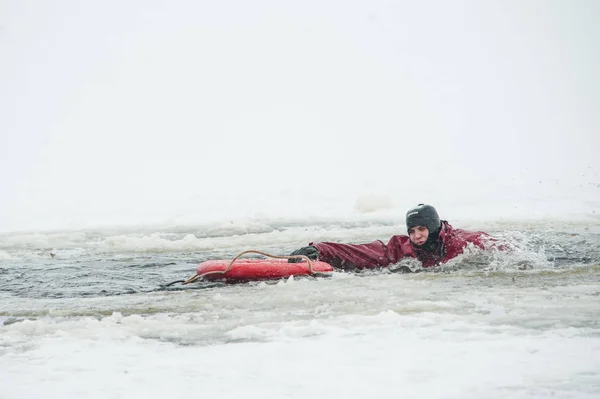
column 467, row 235
column 399, row 240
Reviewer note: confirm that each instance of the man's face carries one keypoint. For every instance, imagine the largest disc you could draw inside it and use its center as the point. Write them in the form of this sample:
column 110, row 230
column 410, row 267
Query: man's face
column 418, row 235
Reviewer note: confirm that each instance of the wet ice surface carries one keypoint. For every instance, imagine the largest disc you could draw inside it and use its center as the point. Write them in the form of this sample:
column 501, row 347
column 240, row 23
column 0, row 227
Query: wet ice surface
column 522, row 323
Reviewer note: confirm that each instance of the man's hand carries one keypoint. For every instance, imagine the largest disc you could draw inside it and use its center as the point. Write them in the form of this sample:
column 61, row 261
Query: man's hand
column 310, row 251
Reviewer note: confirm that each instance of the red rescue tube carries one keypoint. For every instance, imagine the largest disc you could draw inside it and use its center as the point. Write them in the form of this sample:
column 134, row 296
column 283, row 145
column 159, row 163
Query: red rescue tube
column 258, row 269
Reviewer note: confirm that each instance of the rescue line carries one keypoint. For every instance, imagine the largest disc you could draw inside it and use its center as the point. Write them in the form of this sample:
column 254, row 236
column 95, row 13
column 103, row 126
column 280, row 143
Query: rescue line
column 258, row 269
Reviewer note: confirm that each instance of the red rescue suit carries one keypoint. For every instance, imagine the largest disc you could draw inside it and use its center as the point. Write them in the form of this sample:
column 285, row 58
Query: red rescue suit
column 451, row 243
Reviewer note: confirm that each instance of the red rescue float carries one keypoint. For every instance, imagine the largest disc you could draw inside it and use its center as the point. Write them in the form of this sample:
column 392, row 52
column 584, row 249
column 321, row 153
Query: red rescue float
column 258, row 269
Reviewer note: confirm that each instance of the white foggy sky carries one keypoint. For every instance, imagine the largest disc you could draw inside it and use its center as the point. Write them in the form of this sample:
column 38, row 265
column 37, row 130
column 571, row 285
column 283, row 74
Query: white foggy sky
column 148, row 108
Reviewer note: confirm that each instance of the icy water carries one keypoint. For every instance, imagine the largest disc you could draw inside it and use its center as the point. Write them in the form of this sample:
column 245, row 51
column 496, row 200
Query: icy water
column 94, row 321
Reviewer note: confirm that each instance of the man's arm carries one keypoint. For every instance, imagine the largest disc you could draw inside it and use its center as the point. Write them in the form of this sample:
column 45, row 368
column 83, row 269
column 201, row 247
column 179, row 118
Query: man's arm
column 353, row 256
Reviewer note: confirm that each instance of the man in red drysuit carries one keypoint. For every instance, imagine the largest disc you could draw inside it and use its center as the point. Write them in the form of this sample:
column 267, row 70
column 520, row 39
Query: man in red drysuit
column 430, row 240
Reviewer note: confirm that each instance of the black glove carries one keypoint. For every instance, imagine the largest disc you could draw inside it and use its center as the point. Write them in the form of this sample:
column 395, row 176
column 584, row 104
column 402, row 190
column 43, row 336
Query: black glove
column 310, row 251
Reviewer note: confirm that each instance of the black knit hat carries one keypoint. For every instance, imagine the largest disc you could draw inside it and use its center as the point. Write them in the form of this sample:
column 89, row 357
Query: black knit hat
column 423, row 215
